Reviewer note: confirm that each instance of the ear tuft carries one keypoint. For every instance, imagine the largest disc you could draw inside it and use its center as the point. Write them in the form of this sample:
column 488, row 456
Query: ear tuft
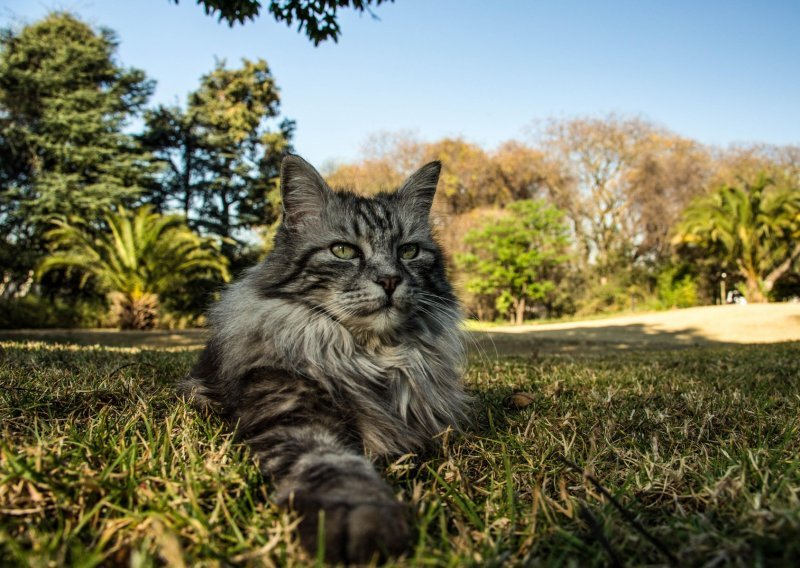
column 419, row 189
column 302, row 189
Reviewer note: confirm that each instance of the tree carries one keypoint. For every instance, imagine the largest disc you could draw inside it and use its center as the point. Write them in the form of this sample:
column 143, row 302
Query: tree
column 367, row 177
column 517, row 258
column 318, row 18
column 221, row 155
column 747, row 163
column 142, row 255
column 596, row 156
column 667, row 173
column 468, row 177
column 523, row 172
column 623, row 184
column 64, row 102
column 750, row 230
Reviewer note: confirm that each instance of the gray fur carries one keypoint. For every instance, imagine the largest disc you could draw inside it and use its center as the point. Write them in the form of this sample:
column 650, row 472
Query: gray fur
column 317, row 361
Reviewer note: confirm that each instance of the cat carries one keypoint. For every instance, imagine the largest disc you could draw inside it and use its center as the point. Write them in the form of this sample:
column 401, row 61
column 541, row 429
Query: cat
column 342, row 347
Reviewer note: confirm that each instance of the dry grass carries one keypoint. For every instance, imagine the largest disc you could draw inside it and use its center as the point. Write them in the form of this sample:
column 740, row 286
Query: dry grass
column 101, row 464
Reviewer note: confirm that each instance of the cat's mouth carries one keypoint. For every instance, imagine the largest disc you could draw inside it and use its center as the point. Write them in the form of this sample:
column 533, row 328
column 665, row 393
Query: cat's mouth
column 375, row 314
column 385, row 309
column 385, row 305
column 381, row 313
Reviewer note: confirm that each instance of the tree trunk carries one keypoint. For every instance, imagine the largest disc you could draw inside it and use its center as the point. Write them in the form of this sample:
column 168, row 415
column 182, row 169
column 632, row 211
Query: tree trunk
column 781, row 269
column 134, row 311
column 754, row 293
column 186, row 182
column 519, row 307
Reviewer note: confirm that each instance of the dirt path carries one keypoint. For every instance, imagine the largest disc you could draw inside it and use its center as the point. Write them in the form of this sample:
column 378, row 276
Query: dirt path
column 710, row 325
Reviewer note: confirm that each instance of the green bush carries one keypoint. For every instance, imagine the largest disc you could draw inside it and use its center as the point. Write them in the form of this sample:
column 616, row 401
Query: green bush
column 676, row 289
column 39, row 312
column 34, row 311
column 786, row 288
column 611, row 294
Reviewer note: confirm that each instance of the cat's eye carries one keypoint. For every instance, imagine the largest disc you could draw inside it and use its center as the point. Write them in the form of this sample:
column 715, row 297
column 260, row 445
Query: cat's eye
column 408, row 251
column 344, row 251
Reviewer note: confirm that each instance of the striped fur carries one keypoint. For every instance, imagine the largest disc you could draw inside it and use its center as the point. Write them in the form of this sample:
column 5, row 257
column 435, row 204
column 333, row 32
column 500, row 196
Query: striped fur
column 323, row 363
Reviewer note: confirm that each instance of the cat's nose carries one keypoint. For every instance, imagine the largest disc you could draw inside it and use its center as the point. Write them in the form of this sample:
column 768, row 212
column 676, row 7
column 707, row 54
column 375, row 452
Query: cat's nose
column 389, row 283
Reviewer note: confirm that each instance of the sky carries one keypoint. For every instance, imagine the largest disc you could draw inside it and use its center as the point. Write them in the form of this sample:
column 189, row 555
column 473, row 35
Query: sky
column 721, row 72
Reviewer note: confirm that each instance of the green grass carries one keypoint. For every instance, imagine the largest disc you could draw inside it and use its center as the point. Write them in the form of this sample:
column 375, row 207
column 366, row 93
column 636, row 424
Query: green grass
column 101, row 464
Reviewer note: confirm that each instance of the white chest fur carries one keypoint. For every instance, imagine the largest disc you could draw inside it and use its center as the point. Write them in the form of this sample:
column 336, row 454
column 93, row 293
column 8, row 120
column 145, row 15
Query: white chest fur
column 403, row 393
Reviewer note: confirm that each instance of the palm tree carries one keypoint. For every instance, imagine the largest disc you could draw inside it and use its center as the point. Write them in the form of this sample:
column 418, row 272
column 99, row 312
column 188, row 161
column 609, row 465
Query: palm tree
column 141, row 255
column 753, row 230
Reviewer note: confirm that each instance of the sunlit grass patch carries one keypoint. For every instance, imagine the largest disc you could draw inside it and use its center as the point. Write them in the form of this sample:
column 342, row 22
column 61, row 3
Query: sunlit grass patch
column 100, row 463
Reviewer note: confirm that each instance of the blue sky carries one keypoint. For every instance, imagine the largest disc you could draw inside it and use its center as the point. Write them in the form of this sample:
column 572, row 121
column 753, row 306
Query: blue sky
column 721, row 72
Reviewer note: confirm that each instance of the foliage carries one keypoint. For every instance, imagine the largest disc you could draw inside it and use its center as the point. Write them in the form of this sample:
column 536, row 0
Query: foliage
column 221, row 155
column 141, row 256
column 468, row 177
column 787, row 288
column 34, row 312
column 623, row 183
column 622, row 290
column 318, row 18
column 517, row 259
column 523, row 172
column 101, row 465
column 676, row 289
column 471, row 177
column 64, row 102
column 751, row 229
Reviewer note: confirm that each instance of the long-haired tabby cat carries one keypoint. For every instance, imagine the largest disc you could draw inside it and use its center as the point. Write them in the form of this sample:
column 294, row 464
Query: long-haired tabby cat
column 343, row 346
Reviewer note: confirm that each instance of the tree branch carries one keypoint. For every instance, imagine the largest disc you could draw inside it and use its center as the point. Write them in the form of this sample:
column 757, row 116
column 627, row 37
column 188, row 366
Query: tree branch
column 782, row 268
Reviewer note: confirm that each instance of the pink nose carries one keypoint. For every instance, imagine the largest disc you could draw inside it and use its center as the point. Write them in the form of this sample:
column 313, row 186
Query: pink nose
column 389, row 283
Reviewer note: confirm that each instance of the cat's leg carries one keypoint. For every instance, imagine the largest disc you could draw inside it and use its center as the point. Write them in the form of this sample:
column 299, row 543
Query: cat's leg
column 319, row 478
column 303, row 446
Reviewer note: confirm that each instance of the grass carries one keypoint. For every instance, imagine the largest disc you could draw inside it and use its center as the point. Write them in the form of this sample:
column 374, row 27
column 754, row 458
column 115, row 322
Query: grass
column 101, row 464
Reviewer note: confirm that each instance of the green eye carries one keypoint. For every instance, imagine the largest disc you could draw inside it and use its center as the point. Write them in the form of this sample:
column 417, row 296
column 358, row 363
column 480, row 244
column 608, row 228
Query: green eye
column 409, row 251
column 344, row 251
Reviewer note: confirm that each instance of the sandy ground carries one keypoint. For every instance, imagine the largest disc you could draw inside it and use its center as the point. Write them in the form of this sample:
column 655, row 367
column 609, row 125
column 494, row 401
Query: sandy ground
column 710, row 325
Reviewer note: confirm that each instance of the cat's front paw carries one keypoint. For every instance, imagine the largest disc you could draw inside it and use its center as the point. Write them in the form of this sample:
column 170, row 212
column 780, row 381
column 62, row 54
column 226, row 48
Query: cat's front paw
column 354, row 531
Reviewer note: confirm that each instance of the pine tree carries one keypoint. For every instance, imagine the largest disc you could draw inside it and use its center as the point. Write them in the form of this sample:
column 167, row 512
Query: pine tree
column 221, row 154
column 64, row 102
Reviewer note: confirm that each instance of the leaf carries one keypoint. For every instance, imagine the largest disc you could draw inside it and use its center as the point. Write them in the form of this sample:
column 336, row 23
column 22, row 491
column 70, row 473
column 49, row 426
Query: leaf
column 519, row 400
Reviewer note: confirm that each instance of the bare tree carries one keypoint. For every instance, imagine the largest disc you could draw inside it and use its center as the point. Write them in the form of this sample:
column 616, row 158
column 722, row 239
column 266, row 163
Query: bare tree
column 668, row 174
column 623, row 183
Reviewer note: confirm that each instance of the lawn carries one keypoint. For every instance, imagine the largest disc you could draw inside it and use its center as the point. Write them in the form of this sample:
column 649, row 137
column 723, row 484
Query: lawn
column 687, row 456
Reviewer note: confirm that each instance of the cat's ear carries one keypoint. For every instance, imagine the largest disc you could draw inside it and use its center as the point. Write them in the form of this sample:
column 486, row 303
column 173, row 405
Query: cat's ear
column 303, row 190
column 419, row 189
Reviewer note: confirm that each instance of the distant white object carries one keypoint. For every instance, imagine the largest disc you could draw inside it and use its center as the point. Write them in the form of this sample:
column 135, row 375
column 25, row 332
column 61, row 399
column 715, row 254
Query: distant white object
column 735, row 297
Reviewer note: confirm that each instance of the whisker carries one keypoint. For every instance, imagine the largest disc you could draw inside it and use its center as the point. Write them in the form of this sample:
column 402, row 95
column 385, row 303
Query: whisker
column 436, row 301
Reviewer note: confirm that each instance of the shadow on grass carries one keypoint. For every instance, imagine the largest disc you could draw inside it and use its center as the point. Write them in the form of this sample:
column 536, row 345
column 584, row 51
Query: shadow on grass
column 700, row 326
column 590, row 339
column 575, row 340
column 110, row 337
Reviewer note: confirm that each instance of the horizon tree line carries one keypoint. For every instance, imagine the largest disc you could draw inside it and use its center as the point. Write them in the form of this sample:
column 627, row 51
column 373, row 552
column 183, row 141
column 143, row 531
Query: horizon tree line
column 588, row 214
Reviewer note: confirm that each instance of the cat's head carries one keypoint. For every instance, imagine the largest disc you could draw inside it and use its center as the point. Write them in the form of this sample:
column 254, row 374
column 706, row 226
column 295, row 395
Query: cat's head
column 370, row 263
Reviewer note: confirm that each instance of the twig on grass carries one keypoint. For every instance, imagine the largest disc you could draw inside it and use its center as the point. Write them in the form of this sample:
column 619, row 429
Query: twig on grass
column 623, row 511
column 126, row 365
column 599, row 536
